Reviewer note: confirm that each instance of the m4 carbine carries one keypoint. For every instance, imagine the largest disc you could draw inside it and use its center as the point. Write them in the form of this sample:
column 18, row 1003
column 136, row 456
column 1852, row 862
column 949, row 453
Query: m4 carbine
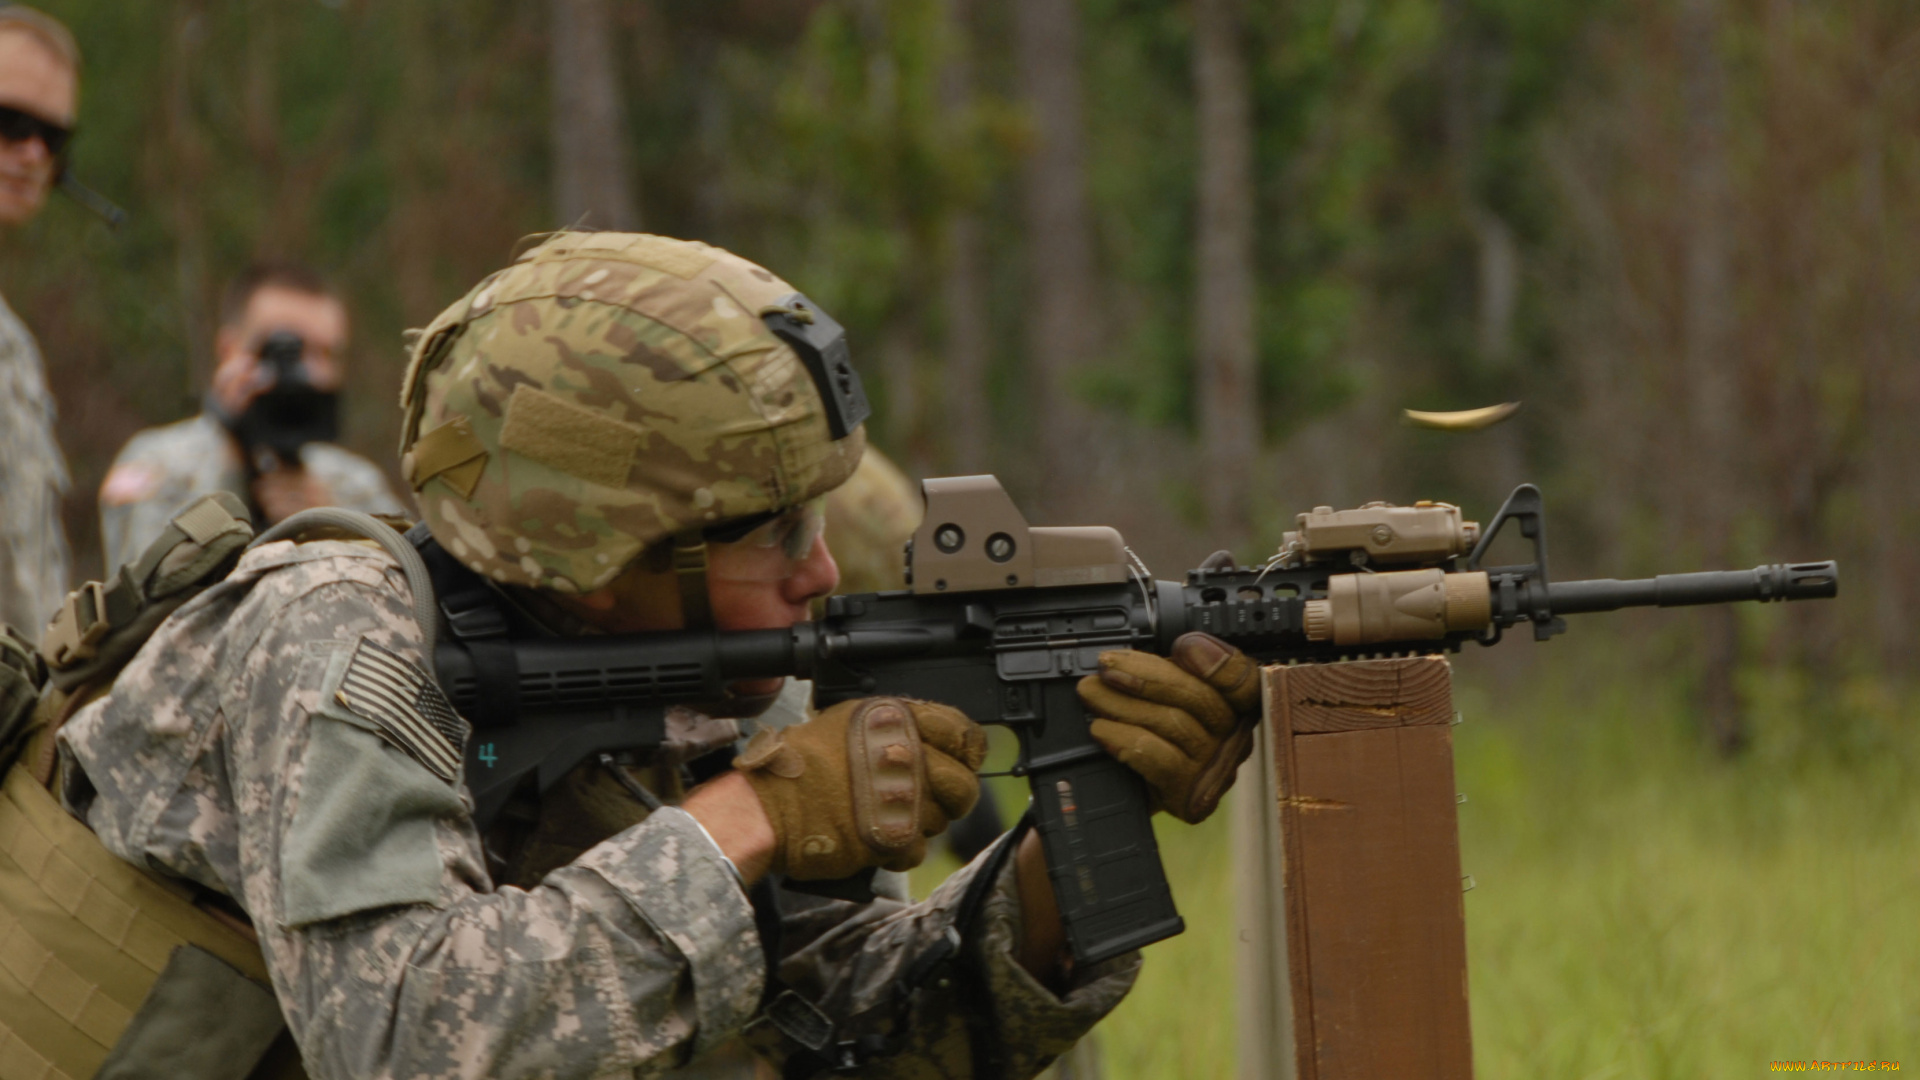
column 1001, row 620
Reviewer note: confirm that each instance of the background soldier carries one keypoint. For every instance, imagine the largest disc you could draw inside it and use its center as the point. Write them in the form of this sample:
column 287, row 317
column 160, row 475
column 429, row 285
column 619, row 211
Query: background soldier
column 266, row 434
column 39, row 87
column 870, row 518
column 609, row 437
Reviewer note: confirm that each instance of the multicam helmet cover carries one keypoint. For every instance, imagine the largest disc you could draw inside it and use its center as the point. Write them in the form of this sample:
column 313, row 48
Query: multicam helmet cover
column 605, row 392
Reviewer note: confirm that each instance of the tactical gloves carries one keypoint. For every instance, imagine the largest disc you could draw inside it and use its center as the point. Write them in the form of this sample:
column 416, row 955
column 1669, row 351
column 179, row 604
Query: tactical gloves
column 1184, row 724
column 863, row 784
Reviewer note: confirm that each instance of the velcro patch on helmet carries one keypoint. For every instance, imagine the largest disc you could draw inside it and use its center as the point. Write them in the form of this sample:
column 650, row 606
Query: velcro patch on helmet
column 404, row 707
column 576, row 441
column 450, row 452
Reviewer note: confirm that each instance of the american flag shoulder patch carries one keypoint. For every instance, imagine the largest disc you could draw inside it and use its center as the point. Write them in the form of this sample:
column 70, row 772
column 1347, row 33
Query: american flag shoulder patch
column 405, row 706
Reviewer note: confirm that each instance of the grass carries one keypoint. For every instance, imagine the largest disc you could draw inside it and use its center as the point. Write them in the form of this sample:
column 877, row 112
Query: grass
column 1643, row 909
column 1646, row 910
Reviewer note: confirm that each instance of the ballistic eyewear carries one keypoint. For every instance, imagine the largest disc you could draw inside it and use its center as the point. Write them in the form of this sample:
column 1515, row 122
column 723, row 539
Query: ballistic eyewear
column 792, row 530
column 17, row 126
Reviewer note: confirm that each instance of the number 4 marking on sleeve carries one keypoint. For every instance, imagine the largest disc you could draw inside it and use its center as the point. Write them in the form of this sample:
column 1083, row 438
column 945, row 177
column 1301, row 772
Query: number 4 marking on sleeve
column 487, row 756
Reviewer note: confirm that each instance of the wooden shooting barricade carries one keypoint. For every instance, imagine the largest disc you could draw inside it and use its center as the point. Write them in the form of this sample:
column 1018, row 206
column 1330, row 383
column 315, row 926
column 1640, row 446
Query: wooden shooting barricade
column 1354, row 931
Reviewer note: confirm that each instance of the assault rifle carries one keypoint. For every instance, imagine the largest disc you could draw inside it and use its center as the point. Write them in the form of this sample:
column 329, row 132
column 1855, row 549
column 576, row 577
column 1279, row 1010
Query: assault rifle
column 1001, row 619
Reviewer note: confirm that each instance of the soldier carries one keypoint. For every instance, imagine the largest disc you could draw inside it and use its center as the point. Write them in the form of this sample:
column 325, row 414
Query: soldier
column 229, row 446
column 39, row 85
column 870, row 518
column 604, row 437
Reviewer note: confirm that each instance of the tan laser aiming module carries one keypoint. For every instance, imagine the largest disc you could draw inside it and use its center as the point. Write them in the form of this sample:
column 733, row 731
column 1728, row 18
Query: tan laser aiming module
column 1395, row 605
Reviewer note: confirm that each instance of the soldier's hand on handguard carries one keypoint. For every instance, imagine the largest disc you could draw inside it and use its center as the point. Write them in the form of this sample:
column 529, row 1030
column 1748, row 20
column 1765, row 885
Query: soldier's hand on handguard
column 863, row 784
column 1185, row 724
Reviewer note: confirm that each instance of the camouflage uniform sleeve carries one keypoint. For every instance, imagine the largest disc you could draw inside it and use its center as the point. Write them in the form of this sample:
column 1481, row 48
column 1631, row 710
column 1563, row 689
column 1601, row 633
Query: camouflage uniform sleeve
column 127, row 526
column 633, row 958
column 33, row 478
column 847, row 959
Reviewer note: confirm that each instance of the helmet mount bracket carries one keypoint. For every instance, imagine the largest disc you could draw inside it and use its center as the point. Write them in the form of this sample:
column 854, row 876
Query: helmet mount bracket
column 690, row 571
column 821, row 343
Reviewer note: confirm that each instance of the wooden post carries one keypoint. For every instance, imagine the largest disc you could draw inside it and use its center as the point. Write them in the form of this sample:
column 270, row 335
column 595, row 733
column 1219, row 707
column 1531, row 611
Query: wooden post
column 1360, row 761
column 1263, row 1001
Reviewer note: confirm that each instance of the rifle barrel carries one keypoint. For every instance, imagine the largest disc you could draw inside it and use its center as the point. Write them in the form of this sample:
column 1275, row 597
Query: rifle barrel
column 1796, row 581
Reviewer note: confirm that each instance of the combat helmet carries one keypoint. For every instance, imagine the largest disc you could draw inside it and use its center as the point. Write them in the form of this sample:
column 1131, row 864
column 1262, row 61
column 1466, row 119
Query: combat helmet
column 609, row 393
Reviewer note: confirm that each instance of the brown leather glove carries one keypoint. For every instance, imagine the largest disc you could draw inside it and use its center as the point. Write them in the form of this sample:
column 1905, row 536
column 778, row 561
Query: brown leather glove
column 864, row 783
column 1184, row 724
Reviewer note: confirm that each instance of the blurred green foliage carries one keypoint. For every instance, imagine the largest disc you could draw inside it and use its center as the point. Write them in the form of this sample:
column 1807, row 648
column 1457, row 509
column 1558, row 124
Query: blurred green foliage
column 1642, row 910
column 404, row 149
column 1458, row 202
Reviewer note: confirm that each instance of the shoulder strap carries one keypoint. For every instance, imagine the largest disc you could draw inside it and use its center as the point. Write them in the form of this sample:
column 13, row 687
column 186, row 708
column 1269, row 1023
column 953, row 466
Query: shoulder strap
column 478, row 621
column 102, row 624
column 322, row 522
column 22, row 674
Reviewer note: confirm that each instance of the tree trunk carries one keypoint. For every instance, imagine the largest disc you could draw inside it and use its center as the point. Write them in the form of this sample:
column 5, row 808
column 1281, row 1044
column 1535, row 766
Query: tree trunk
column 591, row 175
column 965, row 293
column 187, row 173
column 1497, row 281
column 1707, row 348
column 1063, row 314
column 964, row 280
column 1224, row 335
column 1889, row 475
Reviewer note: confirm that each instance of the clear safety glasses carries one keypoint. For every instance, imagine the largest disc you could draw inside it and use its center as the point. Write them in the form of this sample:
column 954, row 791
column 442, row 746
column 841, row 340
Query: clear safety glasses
column 770, row 550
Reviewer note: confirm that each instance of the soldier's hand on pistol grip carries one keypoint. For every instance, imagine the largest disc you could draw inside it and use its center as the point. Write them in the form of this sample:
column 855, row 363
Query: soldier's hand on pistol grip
column 863, row 784
column 1185, row 724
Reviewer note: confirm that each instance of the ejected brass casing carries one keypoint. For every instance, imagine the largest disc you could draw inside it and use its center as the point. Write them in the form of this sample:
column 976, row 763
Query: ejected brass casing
column 1402, row 605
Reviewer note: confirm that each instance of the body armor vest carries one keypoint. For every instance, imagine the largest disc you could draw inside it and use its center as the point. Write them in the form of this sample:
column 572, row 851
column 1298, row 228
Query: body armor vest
column 106, row 970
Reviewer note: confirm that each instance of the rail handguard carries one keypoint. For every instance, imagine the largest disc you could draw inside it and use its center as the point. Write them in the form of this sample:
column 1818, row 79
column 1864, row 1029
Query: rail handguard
column 1001, row 620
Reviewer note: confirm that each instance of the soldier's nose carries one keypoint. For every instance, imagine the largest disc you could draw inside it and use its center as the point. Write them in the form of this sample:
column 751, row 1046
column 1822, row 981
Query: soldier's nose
column 815, row 576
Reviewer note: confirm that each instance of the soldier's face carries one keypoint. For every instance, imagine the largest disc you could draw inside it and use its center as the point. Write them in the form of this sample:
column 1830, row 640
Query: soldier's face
column 744, row 593
column 321, row 322
column 37, row 82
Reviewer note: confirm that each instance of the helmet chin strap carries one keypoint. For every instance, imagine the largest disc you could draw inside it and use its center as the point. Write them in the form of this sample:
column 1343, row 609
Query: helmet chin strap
column 690, row 571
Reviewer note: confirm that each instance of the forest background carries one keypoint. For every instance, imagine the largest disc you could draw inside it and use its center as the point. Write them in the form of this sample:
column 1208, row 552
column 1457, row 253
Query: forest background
column 1174, row 267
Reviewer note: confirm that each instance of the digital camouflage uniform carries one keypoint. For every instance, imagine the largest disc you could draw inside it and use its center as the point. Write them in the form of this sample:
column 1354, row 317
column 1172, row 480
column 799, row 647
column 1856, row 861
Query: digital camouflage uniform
column 162, row 469
column 33, row 478
column 224, row 756
column 277, row 741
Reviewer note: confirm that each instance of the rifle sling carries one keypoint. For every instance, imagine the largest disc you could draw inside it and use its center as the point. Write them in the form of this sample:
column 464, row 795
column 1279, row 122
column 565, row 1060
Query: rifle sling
column 476, row 617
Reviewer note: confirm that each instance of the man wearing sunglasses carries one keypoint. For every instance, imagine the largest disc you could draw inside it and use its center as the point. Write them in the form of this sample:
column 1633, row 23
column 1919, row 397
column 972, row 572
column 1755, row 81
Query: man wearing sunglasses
column 39, row 77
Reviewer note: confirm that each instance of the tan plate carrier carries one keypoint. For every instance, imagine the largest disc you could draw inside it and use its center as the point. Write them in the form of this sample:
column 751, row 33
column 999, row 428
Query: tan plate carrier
column 84, row 935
